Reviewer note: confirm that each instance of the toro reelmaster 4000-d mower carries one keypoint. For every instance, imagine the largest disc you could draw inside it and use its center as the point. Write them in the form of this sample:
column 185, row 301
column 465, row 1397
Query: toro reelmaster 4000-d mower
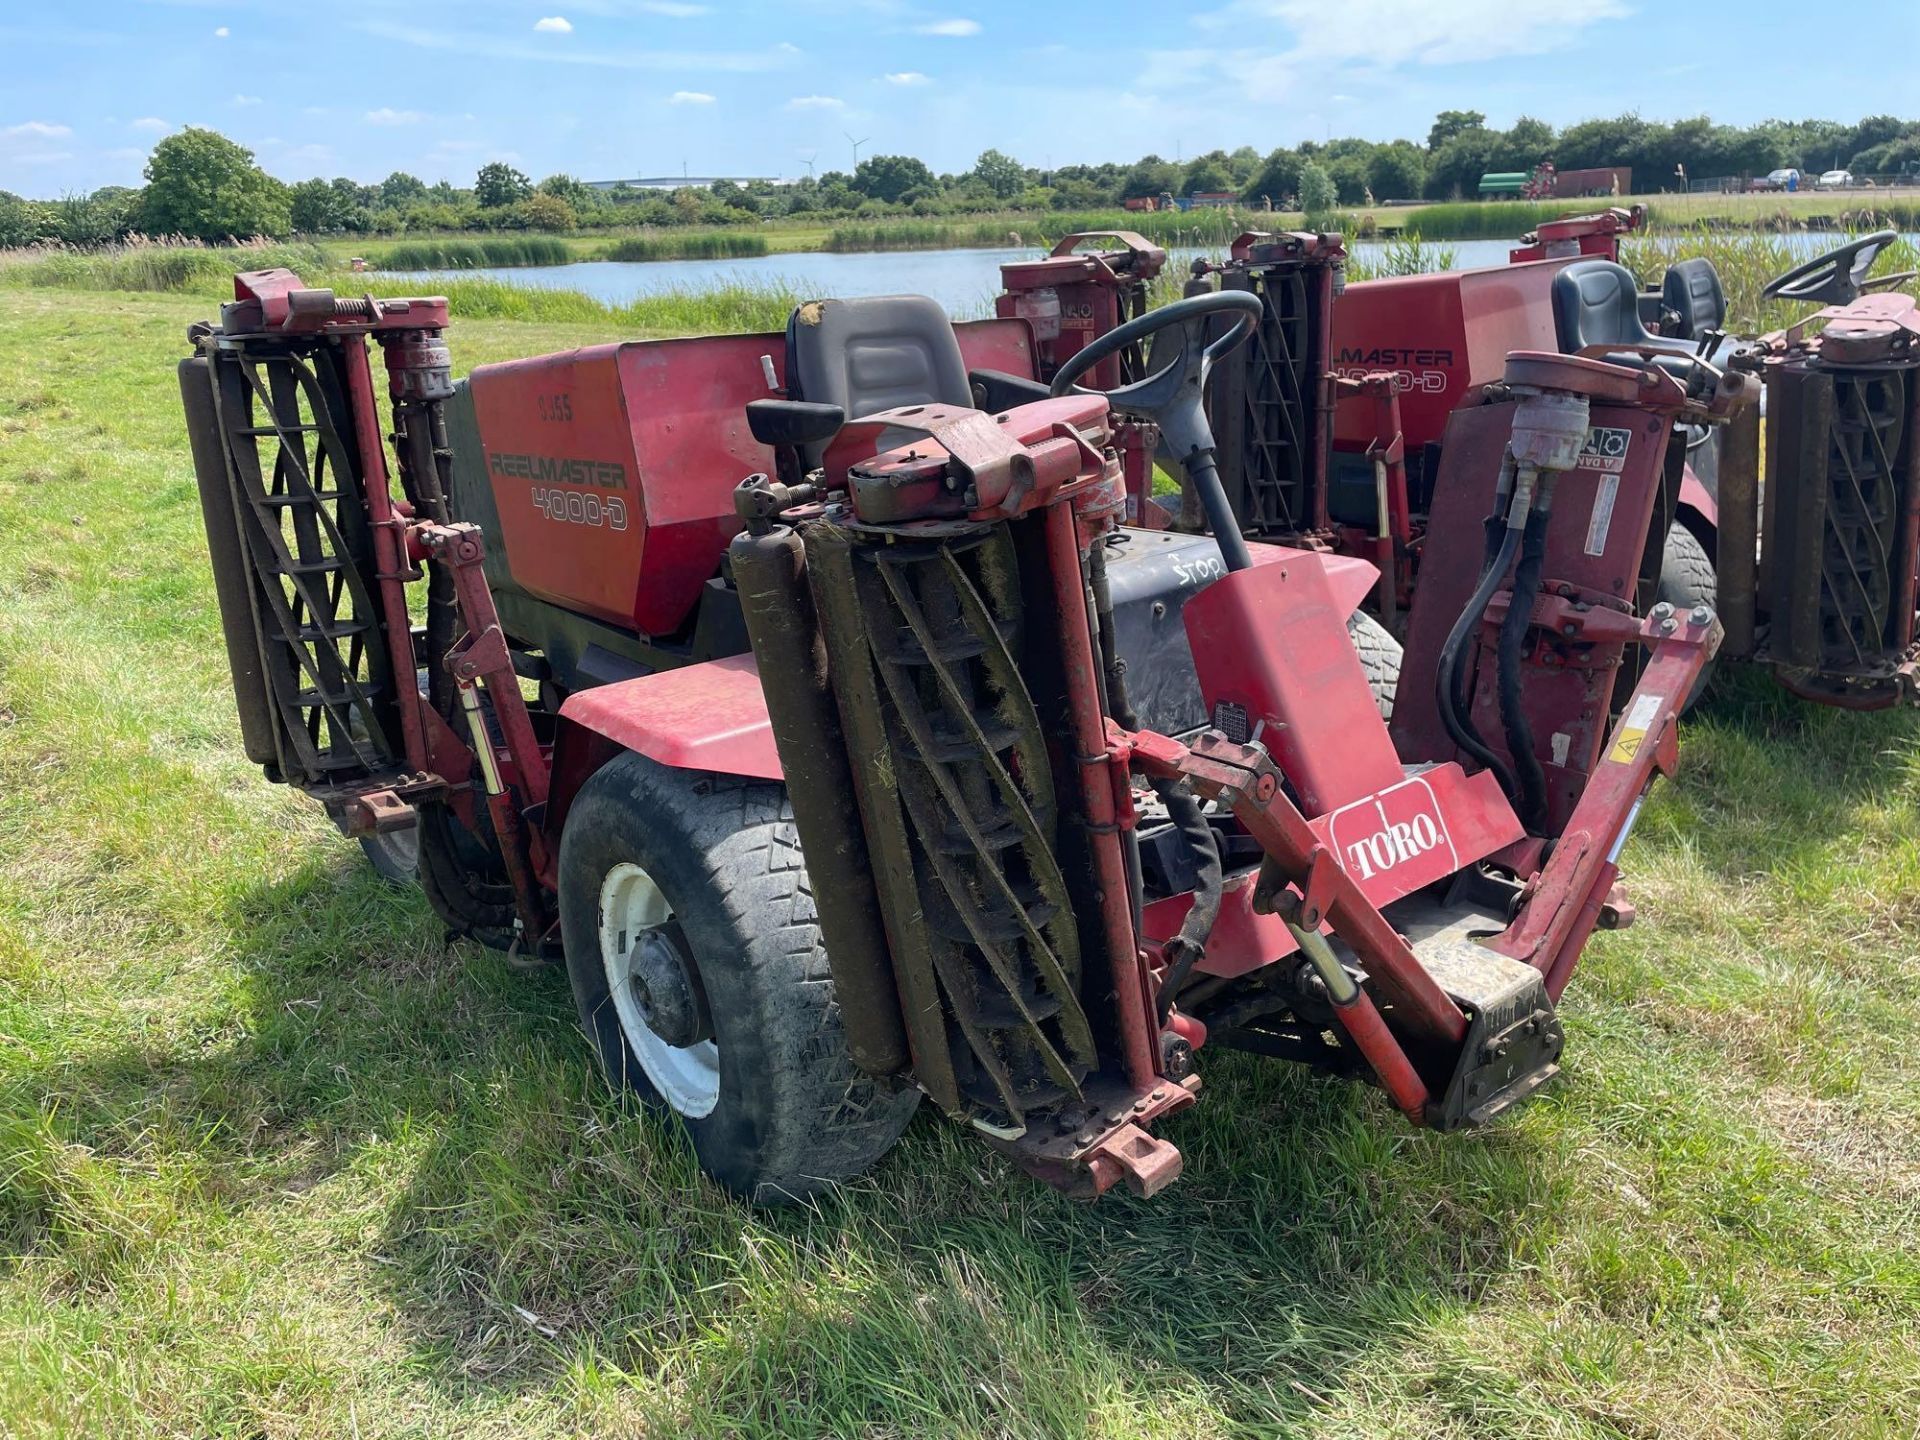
column 1336, row 424
column 874, row 758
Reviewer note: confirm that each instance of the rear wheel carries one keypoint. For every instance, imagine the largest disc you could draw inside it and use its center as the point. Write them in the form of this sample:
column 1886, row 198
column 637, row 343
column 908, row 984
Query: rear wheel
column 696, row 962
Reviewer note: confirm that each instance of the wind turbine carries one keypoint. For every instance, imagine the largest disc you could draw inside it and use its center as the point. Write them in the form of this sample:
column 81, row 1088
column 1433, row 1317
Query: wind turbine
column 856, row 147
column 807, row 160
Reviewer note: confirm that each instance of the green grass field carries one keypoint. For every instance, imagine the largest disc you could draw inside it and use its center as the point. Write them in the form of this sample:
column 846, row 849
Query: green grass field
column 275, row 1161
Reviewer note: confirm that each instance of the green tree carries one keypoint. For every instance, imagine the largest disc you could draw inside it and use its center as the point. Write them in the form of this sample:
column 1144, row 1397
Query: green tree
column 1456, row 167
column 888, row 177
column 733, row 197
column 1276, row 181
column 576, row 192
column 202, row 185
column 313, row 207
column 1206, row 174
column 1449, row 123
column 108, row 214
column 1150, row 176
column 1005, row 176
column 1593, row 144
column 400, row 189
column 1397, row 171
column 23, row 222
column 1318, row 194
column 1523, row 147
column 544, row 211
column 499, row 184
column 1349, row 175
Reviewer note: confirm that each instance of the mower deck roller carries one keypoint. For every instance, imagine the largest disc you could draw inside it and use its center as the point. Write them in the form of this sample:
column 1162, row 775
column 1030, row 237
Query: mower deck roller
column 909, row 834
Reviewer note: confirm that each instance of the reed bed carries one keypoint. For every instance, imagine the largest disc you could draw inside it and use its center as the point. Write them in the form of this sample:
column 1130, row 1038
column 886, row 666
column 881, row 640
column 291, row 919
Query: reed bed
column 473, row 252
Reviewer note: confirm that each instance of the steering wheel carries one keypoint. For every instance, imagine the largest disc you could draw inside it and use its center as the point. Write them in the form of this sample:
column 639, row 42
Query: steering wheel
column 1838, row 277
column 1173, row 393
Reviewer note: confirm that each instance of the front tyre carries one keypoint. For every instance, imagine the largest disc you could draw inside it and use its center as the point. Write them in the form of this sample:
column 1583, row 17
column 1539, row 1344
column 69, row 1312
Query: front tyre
column 1687, row 579
column 696, row 961
column 394, row 856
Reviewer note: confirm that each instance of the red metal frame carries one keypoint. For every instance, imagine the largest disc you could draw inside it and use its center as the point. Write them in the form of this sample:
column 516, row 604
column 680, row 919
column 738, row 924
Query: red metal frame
column 1072, row 297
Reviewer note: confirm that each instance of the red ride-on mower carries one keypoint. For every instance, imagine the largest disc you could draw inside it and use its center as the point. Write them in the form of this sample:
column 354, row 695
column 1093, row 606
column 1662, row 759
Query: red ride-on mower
column 1332, row 423
column 1819, row 566
column 994, row 800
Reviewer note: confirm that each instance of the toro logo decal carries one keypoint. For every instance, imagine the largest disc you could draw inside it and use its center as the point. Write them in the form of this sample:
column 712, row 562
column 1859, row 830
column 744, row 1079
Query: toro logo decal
column 1398, row 836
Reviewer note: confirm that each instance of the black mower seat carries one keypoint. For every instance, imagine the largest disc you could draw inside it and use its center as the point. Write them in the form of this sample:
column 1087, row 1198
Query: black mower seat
column 1691, row 300
column 1596, row 302
column 874, row 354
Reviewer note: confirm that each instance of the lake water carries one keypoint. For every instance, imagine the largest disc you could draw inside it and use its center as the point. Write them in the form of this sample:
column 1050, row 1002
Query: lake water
column 964, row 281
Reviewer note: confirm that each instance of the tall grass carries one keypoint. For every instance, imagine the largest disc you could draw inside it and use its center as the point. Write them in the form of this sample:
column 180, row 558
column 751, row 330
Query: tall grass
column 688, row 245
column 1190, row 228
column 1406, row 254
column 149, row 264
column 459, row 252
column 722, row 309
column 1493, row 219
column 914, row 235
column 1745, row 262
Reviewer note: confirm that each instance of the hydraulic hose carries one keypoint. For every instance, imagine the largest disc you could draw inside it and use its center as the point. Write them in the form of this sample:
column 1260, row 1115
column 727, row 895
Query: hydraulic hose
column 1512, row 644
column 1450, row 680
column 1184, row 810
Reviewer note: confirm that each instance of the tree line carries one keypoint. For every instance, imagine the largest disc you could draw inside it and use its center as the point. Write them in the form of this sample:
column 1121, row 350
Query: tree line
column 201, row 185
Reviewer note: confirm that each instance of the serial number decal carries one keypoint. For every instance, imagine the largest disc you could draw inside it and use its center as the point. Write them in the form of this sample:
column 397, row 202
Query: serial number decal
column 558, row 470
column 581, row 507
column 1601, row 521
column 554, row 407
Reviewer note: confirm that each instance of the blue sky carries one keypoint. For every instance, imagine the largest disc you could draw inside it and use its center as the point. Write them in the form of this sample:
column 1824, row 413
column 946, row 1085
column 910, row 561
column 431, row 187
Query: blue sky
column 604, row 88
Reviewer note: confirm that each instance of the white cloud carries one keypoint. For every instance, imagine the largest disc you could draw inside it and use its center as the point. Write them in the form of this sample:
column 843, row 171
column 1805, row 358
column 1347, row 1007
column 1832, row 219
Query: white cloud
column 676, row 9
column 554, row 25
column 37, row 129
column 690, row 97
column 816, row 102
column 1374, row 37
column 387, row 115
column 951, row 28
column 222, row 33
column 244, row 100
column 908, row 77
column 150, row 122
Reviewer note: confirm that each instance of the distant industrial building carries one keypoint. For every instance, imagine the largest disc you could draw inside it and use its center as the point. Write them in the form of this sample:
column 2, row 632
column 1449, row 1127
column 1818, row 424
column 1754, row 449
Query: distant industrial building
column 678, row 182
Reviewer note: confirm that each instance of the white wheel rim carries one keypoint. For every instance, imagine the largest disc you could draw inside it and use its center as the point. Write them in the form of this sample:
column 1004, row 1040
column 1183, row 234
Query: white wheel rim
column 687, row 1077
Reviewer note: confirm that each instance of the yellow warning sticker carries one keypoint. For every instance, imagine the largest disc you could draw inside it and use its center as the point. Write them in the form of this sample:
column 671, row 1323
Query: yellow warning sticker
column 1633, row 729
